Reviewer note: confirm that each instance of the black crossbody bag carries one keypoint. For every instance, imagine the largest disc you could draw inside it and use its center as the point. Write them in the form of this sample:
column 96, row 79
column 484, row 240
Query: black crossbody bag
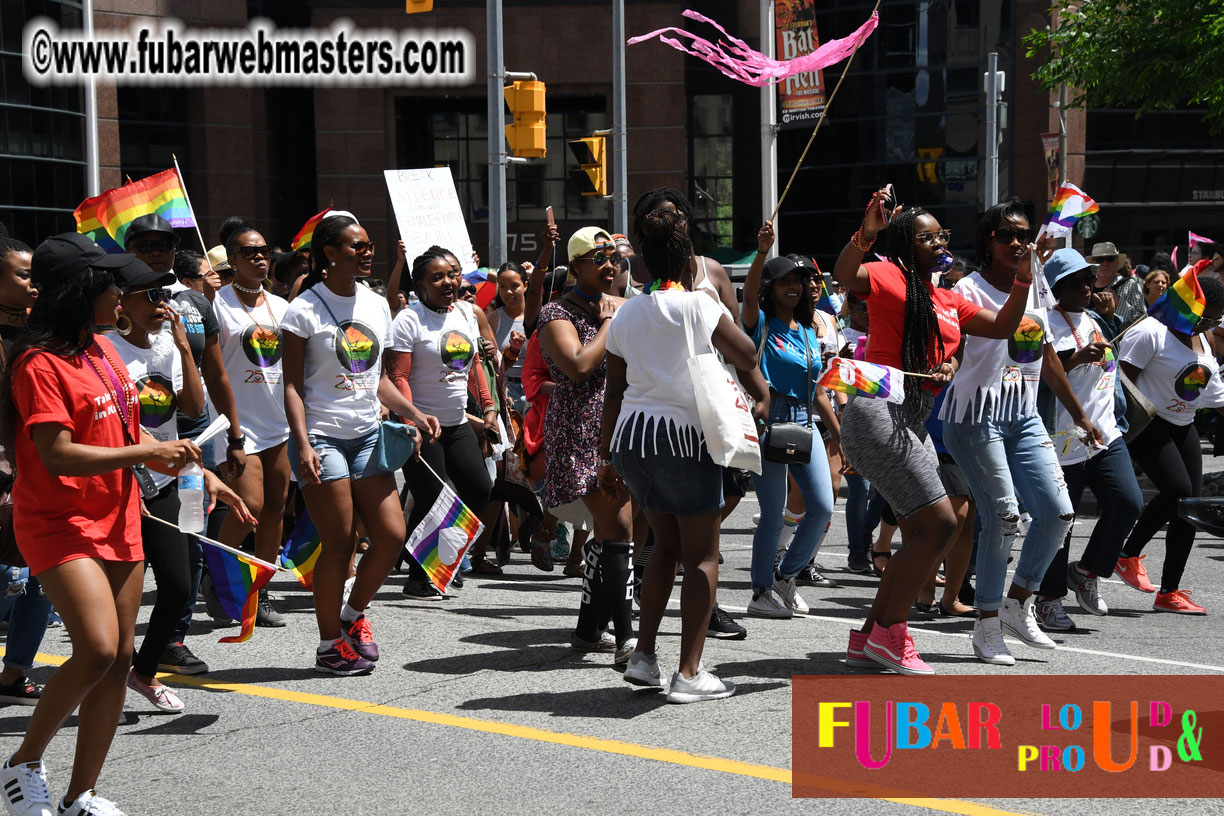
column 790, row 443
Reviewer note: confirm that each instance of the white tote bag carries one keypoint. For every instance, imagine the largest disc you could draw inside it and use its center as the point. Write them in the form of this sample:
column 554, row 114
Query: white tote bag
column 726, row 420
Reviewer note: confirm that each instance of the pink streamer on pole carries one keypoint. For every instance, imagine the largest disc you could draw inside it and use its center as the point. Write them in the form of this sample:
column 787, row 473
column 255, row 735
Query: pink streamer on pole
column 739, row 62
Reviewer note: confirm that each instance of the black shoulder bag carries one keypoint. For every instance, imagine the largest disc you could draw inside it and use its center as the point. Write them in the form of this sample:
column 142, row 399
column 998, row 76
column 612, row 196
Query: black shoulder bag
column 790, row 443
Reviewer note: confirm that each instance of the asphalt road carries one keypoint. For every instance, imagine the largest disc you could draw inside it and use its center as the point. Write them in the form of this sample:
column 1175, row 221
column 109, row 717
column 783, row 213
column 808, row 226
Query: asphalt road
column 479, row 705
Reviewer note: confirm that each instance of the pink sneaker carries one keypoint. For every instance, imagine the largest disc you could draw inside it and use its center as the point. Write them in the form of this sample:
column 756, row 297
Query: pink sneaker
column 855, row 656
column 893, row 648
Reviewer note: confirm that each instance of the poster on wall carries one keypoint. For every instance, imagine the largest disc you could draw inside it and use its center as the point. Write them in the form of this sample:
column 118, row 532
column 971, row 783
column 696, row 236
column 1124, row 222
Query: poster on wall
column 801, row 98
column 427, row 212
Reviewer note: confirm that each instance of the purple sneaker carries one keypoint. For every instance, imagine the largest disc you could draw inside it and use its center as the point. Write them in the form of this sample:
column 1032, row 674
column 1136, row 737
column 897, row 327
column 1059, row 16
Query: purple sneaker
column 360, row 635
column 340, row 659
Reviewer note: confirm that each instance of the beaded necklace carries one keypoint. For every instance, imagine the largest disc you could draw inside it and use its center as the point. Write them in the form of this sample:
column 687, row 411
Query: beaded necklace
column 118, row 382
column 250, row 314
column 661, row 285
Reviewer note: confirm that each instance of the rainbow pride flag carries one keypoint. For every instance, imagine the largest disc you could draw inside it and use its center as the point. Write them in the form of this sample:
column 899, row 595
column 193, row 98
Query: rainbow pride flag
column 1070, row 204
column 302, row 550
column 112, row 212
column 306, row 233
column 864, row 379
column 823, row 303
column 443, row 537
column 237, row 577
column 1182, row 304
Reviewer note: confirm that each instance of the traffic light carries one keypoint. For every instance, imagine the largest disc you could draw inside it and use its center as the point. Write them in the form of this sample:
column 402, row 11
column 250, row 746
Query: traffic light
column 589, row 150
column 413, row 6
column 526, row 135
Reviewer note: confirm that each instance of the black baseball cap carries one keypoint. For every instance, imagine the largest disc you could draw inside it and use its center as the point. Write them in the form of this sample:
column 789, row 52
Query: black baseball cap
column 149, row 223
column 782, row 266
column 70, row 252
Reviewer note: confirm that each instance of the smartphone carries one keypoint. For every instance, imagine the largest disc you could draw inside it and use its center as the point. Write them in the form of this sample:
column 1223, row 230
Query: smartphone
column 887, row 204
column 548, row 212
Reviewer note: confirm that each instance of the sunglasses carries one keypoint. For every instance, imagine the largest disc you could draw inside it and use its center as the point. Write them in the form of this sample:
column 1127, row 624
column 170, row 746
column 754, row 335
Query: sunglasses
column 253, row 252
column 467, row 290
column 599, row 259
column 155, row 296
column 1107, row 259
column 361, row 247
column 932, row 238
column 1006, row 236
column 145, row 247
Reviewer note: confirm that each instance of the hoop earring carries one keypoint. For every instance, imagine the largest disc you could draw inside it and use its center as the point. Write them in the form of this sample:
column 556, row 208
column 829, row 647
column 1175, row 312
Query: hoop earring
column 124, row 328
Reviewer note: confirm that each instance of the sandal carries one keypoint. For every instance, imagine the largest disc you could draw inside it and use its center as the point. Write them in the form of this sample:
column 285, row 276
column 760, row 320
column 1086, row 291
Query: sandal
column 541, row 555
column 574, row 570
column 931, row 609
column 878, row 570
column 485, row 567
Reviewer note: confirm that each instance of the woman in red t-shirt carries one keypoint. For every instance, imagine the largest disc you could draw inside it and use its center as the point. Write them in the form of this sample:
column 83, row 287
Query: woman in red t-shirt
column 74, row 426
column 915, row 327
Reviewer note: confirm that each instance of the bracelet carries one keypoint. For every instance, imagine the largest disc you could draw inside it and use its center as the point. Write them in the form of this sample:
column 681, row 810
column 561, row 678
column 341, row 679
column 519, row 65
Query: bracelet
column 604, row 463
column 236, row 442
column 1022, row 284
column 860, row 243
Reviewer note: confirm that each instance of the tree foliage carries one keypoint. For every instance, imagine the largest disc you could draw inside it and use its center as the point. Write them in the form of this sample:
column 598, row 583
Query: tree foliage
column 1145, row 54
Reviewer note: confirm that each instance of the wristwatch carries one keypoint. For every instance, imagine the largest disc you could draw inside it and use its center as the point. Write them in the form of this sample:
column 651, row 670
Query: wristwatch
column 236, row 442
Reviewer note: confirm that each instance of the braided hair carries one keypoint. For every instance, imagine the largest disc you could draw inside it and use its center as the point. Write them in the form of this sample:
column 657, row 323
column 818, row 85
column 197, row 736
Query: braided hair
column 420, row 265
column 652, row 200
column 921, row 345
column 666, row 247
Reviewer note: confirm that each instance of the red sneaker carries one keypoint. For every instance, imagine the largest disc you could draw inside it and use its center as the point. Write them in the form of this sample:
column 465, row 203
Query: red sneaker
column 1134, row 573
column 1177, row 601
column 360, row 637
column 855, row 656
column 893, row 648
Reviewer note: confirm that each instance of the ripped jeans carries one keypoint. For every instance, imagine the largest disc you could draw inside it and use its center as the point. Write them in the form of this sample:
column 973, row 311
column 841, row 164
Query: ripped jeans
column 1006, row 462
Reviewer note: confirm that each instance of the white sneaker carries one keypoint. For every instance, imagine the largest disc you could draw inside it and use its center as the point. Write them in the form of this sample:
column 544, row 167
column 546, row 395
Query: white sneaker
column 25, row 789
column 643, row 670
column 1020, row 621
column 1087, row 591
column 606, row 643
column 348, row 589
column 766, row 605
column 988, row 643
column 756, row 519
column 89, row 803
column 701, row 686
column 623, row 652
column 789, row 595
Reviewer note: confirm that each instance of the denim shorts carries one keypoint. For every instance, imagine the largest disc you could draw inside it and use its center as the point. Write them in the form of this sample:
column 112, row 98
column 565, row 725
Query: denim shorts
column 340, row 458
column 669, row 471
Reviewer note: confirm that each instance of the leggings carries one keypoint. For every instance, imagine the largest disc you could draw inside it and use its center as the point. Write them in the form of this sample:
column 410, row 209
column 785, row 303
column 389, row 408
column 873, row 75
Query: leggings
column 167, row 553
column 455, row 456
column 1172, row 458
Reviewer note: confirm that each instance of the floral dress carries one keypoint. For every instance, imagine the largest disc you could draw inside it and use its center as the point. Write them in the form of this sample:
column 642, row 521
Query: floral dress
column 575, row 412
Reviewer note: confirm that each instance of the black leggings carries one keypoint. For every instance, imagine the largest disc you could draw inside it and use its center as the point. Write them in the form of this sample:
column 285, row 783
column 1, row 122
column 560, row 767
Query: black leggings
column 166, row 551
column 1172, row 458
column 455, row 456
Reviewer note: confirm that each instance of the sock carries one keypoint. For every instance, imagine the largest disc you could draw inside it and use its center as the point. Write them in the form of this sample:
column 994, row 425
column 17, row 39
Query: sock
column 618, row 587
column 324, row 645
column 348, row 614
column 790, row 519
column 590, row 609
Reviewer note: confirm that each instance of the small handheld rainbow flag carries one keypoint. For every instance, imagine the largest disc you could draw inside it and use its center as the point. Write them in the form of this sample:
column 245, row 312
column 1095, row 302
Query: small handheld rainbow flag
column 302, row 551
column 1070, row 204
column 865, row 379
column 1182, row 304
column 442, row 538
column 114, row 210
column 237, row 577
column 306, row 233
column 823, row 303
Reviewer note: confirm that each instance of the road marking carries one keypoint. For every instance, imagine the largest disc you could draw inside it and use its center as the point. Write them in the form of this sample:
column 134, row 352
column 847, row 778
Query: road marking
column 607, row 746
column 966, row 636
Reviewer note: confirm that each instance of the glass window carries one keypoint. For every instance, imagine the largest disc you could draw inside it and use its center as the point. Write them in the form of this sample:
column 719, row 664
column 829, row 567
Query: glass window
column 712, row 170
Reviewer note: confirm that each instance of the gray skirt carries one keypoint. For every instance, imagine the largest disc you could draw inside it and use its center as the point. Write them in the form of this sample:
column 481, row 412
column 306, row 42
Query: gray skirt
column 889, row 445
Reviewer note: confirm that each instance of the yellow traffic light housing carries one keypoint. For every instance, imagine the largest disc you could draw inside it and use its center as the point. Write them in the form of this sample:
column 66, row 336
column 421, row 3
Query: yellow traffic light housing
column 589, row 150
column 527, row 135
column 414, row 6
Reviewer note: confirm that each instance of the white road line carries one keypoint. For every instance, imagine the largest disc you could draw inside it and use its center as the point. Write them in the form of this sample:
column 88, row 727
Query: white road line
column 1139, row 658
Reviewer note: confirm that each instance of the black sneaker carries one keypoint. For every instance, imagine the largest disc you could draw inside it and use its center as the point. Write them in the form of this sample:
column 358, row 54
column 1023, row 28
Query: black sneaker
column 812, row 575
column 858, row 563
column 24, row 692
column 722, row 626
column 178, row 659
column 265, row 615
column 421, row 591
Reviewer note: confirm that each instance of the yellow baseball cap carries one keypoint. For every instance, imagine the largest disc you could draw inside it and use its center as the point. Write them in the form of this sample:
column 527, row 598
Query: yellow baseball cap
column 589, row 239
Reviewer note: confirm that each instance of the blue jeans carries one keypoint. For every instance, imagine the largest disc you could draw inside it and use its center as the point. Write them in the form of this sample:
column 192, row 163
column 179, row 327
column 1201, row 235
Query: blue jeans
column 1111, row 476
column 771, row 486
column 22, row 601
column 1006, row 462
column 863, row 506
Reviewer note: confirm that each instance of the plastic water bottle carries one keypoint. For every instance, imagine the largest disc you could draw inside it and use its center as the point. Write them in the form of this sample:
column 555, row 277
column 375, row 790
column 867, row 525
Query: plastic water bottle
column 191, row 498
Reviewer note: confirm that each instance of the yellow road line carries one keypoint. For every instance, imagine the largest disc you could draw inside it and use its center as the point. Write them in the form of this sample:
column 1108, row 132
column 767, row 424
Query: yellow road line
column 607, row 746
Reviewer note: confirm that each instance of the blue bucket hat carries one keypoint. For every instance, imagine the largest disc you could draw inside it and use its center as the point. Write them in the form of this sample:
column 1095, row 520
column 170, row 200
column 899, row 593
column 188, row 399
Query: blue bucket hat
column 1062, row 263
